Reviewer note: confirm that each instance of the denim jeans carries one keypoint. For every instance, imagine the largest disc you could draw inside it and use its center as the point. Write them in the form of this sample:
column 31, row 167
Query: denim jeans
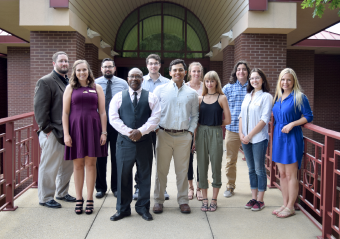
column 255, row 157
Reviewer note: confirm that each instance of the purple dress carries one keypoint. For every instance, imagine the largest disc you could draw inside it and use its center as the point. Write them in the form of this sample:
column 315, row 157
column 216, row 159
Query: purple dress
column 84, row 125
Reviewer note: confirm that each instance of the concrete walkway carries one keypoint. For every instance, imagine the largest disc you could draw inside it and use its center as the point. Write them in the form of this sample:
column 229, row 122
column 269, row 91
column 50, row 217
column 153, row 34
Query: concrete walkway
column 230, row 220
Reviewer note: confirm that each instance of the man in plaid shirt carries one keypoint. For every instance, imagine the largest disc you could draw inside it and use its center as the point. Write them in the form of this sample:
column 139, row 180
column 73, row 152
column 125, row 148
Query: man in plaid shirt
column 235, row 91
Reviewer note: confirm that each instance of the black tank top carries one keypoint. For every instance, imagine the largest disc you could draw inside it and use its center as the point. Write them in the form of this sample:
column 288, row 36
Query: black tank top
column 210, row 114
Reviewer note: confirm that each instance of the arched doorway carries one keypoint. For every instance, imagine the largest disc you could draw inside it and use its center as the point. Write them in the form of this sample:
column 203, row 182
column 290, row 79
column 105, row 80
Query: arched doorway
column 164, row 28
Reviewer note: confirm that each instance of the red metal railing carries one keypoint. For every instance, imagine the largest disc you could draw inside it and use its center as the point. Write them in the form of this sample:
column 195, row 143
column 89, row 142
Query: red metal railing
column 318, row 178
column 20, row 154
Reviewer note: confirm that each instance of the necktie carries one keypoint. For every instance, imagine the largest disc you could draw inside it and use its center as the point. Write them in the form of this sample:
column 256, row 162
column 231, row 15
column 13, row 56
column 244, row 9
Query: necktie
column 135, row 99
column 108, row 96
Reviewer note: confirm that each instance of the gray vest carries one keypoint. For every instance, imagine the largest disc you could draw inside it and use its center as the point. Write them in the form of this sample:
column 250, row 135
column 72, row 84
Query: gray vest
column 135, row 117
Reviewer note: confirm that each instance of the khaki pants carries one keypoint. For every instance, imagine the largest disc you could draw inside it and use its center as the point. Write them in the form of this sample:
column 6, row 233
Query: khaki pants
column 54, row 171
column 233, row 144
column 176, row 145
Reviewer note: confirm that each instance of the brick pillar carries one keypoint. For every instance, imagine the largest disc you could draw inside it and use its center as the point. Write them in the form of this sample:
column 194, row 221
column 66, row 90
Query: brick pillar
column 3, row 91
column 218, row 67
column 91, row 55
column 302, row 62
column 265, row 51
column 228, row 63
column 18, row 71
column 44, row 44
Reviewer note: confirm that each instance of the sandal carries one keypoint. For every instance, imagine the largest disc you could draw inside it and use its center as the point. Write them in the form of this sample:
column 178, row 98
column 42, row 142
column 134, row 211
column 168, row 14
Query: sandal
column 89, row 207
column 286, row 213
column 191, row 193
column 204, row 207
column 199, row 194
column 213, row 207
column 79, row 207
column 277, row 211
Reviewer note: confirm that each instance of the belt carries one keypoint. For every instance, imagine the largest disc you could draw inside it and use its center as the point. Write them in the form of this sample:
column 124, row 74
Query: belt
column 174, row 130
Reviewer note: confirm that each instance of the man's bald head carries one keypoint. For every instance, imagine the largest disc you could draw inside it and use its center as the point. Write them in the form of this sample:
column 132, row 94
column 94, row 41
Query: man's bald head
column 135, row 71
column 135, row 79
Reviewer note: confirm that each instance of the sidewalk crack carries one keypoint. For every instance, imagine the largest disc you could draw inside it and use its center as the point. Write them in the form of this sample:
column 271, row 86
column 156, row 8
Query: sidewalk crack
column 95, row 217
column 212, row 234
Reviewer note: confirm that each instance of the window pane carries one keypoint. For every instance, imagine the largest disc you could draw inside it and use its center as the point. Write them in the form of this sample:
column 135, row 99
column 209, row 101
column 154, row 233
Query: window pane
column 150, row 33
column 173, row 34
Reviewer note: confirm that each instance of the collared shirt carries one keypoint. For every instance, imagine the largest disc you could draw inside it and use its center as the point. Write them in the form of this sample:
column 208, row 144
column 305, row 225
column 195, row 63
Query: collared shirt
column 178, row 105
column 149, row 85
column 235, row 94
column 117, row 85
column 65, row 80
column 252, row 111
column 146, row 128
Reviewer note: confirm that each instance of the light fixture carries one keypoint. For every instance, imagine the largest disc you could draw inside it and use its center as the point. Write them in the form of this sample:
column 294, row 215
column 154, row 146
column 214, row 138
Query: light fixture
column 92, row 34
column 210, row 54
column 218, row 46
column 104, row 44
column 228, row 34
column 113, row 53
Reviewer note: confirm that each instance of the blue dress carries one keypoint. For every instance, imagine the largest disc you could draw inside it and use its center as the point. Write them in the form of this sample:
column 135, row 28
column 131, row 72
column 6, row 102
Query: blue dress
column 288, row 148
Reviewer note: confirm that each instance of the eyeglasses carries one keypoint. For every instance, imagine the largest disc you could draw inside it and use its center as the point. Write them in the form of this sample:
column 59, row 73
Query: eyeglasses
column 153, row 64
column 135, row 77
column 257, row 78
column 107, row 67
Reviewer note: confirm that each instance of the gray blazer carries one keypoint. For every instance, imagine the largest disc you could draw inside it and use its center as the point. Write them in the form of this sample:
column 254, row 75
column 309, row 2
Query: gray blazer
column 48, row 105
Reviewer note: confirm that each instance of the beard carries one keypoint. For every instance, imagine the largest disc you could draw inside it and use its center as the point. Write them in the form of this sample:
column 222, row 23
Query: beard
column 61, row 70
column 108, row 75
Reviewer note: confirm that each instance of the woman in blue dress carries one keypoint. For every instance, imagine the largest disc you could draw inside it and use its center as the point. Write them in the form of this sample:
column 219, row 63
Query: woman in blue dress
column 291, row 109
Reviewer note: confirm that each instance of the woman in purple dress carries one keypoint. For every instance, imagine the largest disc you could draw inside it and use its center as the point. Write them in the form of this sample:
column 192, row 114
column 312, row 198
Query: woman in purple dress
column 84, row 123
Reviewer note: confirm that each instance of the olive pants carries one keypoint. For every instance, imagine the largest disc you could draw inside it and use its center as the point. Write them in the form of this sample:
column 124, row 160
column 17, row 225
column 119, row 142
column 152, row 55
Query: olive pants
column 209, row 142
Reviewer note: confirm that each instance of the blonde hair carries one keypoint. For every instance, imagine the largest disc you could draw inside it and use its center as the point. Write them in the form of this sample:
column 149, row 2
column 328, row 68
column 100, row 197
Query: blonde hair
column 212, row 75
column 298, row 95
column 190, row 68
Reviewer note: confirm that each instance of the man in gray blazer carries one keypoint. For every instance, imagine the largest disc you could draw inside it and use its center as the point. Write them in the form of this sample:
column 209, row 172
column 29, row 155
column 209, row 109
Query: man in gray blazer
column 54, row 171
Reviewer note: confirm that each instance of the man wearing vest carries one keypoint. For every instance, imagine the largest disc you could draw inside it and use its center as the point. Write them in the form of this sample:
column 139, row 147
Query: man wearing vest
column 134, row 113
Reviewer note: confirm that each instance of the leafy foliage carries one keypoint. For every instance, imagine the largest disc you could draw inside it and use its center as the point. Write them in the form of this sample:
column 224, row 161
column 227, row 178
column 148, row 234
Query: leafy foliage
column 319, row 6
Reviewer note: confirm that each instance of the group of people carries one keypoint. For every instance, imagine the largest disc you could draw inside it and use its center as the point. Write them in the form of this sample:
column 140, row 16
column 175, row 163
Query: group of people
column 147, row 116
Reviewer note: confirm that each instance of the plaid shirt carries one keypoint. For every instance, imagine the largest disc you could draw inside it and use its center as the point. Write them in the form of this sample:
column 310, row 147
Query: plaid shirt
column 235, row 94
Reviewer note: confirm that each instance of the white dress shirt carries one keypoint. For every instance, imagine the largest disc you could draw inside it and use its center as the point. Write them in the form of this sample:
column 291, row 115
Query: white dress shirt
column 146, row 128
column 179, row 106
column 252, row 111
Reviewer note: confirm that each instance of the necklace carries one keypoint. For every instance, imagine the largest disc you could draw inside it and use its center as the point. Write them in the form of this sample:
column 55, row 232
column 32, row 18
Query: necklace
column 212, row 94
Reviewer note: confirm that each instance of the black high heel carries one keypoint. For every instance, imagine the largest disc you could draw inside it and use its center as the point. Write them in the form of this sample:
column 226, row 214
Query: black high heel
column 79, row 207
column 89, row 207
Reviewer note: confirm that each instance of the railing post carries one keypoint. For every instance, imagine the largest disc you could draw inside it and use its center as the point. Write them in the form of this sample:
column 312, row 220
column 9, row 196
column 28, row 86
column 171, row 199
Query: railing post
column 327, row 195
column 36, row 153
column 272, row 177
column 10, row 164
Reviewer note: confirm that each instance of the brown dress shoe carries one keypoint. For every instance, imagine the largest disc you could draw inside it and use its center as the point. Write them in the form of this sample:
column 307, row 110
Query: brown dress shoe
column 158, row 208
column 184, row 208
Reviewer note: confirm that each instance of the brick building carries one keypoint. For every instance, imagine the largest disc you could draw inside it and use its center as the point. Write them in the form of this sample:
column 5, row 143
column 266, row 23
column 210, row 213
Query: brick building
column 268, row 34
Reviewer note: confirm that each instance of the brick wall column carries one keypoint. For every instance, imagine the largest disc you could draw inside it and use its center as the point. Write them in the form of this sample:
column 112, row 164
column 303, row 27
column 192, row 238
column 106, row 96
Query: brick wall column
column 218, row 67
column 265, row 51
column 44, row 44
column 3, row 91
column 91, row 55
column 228, row 63
column 18, row 83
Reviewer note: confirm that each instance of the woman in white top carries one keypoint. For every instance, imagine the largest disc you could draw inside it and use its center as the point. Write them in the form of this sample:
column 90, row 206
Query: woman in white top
column 253, row 130
column 195, row 81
